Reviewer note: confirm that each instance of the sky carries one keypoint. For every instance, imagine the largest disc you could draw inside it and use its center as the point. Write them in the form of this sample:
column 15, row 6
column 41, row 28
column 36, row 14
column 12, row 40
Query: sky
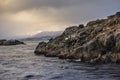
column 21, row 18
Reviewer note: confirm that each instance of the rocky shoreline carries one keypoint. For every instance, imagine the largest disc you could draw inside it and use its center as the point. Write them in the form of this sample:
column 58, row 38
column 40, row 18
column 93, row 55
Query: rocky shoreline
column 97, row 42
column 10, row 42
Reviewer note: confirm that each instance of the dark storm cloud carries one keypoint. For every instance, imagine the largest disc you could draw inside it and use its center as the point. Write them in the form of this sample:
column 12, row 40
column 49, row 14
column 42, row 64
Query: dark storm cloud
column 18, row 5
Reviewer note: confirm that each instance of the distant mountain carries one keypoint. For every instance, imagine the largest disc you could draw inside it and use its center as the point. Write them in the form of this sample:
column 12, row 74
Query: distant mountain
column 45, row 35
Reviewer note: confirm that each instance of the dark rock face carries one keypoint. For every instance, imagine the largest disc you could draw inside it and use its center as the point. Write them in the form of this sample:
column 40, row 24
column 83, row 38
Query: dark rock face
column 10, row 42
column 98, row 41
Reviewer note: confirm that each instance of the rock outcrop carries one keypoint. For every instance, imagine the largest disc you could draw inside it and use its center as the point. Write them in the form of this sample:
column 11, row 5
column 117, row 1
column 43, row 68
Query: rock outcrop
column 10, row 42
column 98, row 41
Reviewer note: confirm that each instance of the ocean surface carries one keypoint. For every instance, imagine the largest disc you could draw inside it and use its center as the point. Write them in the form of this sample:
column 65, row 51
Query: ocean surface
column 19, row 63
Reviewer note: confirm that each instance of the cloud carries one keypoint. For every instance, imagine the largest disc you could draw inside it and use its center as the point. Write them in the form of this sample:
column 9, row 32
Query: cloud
column 17, row 5
column 26, row 17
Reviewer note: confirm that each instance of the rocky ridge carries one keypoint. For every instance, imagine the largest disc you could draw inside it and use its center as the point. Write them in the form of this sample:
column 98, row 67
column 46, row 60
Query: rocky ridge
column 98, row 41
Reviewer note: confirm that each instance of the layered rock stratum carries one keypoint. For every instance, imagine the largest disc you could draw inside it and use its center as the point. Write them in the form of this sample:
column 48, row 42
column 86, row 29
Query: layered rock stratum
column 98, row 41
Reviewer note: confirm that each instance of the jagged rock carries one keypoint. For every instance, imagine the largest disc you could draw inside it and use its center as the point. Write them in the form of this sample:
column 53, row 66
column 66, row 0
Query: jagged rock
column 10, row 42
column 81, row 26
column 40, row 48
column 98, row 41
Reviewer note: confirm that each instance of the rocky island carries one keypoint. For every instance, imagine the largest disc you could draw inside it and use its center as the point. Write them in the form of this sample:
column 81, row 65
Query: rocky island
column 97, row 42
column 10, row 42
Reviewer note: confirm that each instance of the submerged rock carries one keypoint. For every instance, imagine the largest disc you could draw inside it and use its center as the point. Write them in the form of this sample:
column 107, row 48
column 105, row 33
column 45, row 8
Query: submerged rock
column 10, row 42
column 29, row 76
column 98, row 41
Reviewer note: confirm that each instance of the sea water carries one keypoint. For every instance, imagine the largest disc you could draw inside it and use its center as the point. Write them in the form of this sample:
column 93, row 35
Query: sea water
column 19, row 63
